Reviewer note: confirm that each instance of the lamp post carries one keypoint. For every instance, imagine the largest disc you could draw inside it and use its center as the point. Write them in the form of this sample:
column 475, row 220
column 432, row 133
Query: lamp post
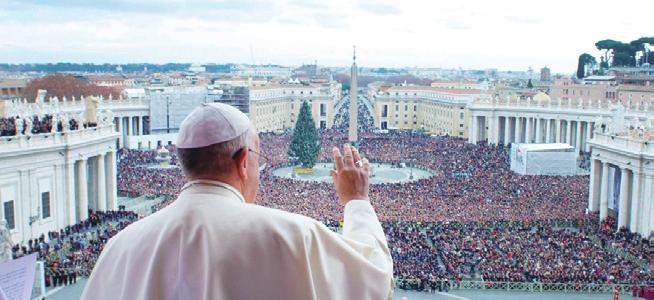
column 167, row 114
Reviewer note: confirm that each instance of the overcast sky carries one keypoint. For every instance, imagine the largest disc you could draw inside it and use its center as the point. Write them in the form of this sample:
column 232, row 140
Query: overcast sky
column 508, row 35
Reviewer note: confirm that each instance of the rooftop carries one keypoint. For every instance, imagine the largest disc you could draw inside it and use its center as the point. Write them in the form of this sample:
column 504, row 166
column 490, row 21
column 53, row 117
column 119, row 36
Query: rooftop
column 433, row 89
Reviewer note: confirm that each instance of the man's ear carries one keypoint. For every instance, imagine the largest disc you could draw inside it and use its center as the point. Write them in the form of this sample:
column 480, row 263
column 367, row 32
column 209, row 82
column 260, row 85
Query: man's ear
column 241, row 162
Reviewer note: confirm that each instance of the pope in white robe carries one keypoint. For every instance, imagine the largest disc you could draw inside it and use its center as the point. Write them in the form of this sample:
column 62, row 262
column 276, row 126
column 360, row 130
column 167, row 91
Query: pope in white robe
column 214, row 243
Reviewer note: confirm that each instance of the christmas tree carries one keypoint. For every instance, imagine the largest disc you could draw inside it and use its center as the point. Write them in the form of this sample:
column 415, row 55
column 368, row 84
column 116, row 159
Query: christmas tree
column 305, row 145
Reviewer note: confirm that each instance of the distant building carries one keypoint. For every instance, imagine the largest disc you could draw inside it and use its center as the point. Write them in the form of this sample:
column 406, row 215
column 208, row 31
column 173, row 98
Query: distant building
column 436, row 110
column 545, row 74
column 460, row 84
column 170, row 105
column 234, row 95
column 197, row 68
column 306, row 71
column 595, row 88
column 109, row 80
column 276, row 106
column 12, row 88
column 261, row 71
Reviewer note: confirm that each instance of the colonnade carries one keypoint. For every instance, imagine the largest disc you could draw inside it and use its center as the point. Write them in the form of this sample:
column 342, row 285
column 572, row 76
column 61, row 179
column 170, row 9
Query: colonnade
column 91, row 184
column 531, row 129
column 129, row 126
column 634, row 192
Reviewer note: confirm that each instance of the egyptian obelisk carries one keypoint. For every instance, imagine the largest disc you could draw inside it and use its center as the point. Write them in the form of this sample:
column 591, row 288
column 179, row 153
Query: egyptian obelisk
column 352, row 133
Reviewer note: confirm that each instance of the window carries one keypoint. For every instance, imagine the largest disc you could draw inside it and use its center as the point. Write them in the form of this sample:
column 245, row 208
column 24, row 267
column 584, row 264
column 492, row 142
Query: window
column 323, row 125
column 45, row 205
column 323, row 110
column 397, row 107
column 385, row 111
column 461, row 116
column 406, row 107
column 9, row 214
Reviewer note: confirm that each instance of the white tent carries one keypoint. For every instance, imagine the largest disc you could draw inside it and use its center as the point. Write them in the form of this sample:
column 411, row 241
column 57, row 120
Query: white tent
column 543, row 159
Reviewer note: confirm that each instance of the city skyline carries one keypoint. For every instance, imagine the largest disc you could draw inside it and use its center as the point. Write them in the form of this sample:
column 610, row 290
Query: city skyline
column 506, row 36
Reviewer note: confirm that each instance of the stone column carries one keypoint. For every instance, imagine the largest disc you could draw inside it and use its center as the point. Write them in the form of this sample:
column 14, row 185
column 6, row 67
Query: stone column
column 110, row 163
column 557, row 135
column 82, row 194
column 528, row 131
column 119, row 128
column 507, row 130
column 472, row 131
column 548, row 131
column 604, row 192
column 496, row 130
column 141, row 131
column 491, row 130
column 539, row 130
column 70, row 194
column 101, row 182
column 647, row 222
column 595, row 184
column 635, row 202
column 130, row 126
column 568, row 132
column 589, row 133
column 578, row 137
column 623, row 213
column 517, row 130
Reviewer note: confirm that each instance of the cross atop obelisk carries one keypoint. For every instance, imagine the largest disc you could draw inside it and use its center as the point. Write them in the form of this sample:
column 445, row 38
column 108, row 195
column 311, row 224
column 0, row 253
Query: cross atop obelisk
column 352, row 132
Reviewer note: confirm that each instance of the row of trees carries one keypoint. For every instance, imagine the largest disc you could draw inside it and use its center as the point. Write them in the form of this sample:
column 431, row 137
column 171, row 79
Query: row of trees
column 61, row 85
column 617, row 53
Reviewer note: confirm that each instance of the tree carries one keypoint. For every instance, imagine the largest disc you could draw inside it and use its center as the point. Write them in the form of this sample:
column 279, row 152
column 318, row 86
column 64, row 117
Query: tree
column 623, row 54
column 305, row 145
column 60, row 85
column 585, row 61
column 529, row 84
column 640, row 46
column 607, row 46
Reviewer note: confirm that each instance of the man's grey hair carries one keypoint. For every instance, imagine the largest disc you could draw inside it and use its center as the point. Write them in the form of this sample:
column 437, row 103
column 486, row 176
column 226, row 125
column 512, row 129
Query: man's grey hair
column 214, row 159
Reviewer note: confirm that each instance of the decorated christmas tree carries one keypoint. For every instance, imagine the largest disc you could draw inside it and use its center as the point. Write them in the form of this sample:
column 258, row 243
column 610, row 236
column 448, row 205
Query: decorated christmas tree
column 305, row 145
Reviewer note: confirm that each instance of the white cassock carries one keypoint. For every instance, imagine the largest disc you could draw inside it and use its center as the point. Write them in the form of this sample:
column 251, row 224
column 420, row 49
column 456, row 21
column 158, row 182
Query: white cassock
column 209, row 244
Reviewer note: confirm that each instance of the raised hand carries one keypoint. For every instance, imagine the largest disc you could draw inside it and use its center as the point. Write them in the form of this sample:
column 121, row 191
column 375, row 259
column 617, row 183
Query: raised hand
column 351, row 174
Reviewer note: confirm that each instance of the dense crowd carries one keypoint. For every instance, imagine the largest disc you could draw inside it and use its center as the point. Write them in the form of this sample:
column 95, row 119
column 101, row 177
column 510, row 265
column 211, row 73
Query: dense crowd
column 138, row 176
column 474, row 219
column 364, row 117
column 73, row 250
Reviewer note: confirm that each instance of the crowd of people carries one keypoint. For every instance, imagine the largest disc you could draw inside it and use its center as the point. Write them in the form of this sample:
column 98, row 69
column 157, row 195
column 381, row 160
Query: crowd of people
column 364, row 117
column 473, row 219
column 138, row 176
column 73, row 251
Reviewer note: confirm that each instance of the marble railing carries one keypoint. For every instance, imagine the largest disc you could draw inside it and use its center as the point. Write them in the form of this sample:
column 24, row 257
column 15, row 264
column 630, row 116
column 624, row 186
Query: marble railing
column 16, row 107
column 646, row 106
column 625, row 142
column 42, row 140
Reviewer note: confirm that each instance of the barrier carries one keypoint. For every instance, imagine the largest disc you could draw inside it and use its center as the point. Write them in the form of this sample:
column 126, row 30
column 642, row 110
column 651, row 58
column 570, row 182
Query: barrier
column 536, row 287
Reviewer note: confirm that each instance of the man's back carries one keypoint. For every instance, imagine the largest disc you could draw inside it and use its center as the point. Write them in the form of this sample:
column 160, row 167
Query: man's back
column 210, row 245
